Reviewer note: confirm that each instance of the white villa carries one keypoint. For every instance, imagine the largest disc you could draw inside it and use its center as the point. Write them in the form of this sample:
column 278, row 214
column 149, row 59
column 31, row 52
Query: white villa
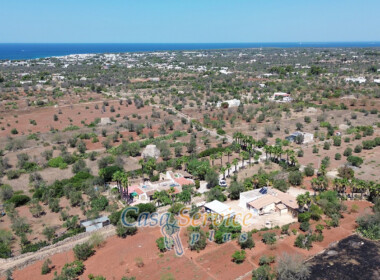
column 268, row 200
column 231, row 103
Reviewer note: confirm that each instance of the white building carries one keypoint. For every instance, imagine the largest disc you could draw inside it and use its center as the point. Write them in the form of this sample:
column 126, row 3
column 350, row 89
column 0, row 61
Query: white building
column 95, row 224
column 359, row 80
column 231, row 103
column 307, row 137
column 220, row 209
column 268, row 200
column 281, row 97
column 377, row 81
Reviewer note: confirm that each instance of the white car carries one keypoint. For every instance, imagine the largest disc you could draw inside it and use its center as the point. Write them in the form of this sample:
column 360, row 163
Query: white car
column 223, row 183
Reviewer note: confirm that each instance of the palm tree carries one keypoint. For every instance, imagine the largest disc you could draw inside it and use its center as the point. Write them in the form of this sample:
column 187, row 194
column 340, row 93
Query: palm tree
column 301, row 201
column 323, row 183
column 212, row 157
column 118, row 177
column 228, row 152
column 124, row 183
column 220, row 155
column 243, row 154
column 250, row 149
column 307, row 199
column 171, row 192
column 142, row 162
column 236, row 137
column 373, row 189
column 156, row 197
column 235, row 162
column 150, row 165
column 343, row 186
column 228, row 168
column 314, row 185
column 223, row 170
column 361, row 187
column 287, row 152
column 185, row 160
column 266, row 149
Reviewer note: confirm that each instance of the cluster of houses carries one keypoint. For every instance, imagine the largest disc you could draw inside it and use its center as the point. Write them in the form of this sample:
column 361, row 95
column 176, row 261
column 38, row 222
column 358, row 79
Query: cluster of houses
column 144, row 192
column 258, row 202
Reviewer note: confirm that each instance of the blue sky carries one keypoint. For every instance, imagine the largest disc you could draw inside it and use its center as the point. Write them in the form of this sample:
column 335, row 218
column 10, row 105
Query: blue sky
column 188, row 21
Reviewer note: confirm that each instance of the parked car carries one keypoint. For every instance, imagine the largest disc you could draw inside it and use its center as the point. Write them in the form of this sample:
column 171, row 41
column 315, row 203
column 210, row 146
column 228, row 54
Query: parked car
column 223, row 183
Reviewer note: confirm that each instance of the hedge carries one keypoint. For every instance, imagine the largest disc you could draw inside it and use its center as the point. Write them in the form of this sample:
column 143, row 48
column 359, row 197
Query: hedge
column 34, row 247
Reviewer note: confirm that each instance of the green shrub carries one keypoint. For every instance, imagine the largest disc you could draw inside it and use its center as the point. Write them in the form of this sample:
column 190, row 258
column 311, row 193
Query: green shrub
column 5, row 251
column 285, row 229
column 239, row 256
column 201, row 243
column 175, row 208
column 309, row 170
column 369, row 226
column 57, row 162
column 305, row 226
column 34, row 247
column 295, row 178
column 19, row 199
column 337, row 141
column 269, row 238
column 265, row 260
column 355, row 161
column 13, row 174
column 161, row 244
column 347, row 152
column 326, row 146
column 246, row 243
column 358, row 148
column 304, row 217
column 303, row 241
column 83, row 251
column 264, row 272
column 72, row 270
column 45, row 269
column 100, row 203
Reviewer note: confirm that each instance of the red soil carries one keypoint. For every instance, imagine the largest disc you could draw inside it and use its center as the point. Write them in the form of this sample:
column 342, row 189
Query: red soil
column 118, row 256
column 78, row 113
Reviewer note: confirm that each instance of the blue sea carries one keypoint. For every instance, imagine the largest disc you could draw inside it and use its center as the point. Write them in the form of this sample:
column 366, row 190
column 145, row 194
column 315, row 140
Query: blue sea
column 10, row 51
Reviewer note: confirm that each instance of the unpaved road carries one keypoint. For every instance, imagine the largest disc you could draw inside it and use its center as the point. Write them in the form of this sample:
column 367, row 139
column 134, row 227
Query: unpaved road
column 26, row 259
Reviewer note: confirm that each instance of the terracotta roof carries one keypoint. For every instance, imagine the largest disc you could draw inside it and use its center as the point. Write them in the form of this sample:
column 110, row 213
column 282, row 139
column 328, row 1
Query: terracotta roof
column 183, row 181
column 263, row 201
column 176, row 190
column 139, row 191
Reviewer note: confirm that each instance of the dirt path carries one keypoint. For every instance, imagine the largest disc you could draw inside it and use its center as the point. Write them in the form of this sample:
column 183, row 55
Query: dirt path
column 24, row 260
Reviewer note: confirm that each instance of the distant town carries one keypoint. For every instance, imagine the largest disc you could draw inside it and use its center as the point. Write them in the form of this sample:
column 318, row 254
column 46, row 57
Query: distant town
column 283, row 142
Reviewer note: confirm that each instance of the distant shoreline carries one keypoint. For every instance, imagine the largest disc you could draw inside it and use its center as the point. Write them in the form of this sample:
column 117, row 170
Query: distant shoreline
column 26, row 51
